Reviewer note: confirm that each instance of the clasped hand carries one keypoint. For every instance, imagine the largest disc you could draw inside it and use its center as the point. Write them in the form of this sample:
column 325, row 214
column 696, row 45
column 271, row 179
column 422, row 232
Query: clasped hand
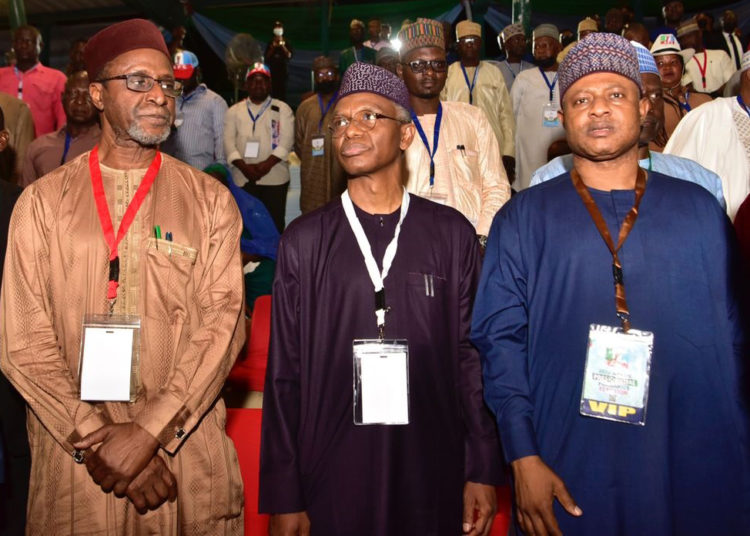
column 126, row 463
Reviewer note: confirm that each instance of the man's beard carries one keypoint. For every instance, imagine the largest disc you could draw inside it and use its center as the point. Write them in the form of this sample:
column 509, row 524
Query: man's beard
column 326, row 87
column 138, row 134
column 547, row 62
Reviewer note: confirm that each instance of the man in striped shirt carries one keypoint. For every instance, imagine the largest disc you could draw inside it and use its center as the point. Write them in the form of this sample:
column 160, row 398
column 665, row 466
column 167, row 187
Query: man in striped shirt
column 197, row 137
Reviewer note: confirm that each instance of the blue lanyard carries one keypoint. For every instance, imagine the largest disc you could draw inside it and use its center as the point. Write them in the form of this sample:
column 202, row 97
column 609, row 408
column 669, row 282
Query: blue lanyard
column 550, row 86
column 473, row 82
column 685, row 105
column 435, row 138
column 68, row 139
column 354, row 50
column 185, row 99
column 255, row 118
column 743, row 105
column 324, row 111
column 511, row 69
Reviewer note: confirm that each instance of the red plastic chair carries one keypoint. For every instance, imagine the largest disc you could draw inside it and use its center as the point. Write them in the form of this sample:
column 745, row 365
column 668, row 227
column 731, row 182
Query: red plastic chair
column 249, row 372
column 501, row 524
column 243, row 426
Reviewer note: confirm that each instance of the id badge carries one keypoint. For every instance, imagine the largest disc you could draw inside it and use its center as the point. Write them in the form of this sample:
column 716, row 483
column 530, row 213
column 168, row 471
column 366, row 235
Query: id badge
column 549, row 116
column 318, row 145
column 616, row 378
column 252, row 148
column 109, row 358
column 381, row 381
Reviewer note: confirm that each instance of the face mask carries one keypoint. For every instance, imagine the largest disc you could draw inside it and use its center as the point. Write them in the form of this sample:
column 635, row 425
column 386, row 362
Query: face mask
column 329, row 86
column 549, row 62
column 278, row 31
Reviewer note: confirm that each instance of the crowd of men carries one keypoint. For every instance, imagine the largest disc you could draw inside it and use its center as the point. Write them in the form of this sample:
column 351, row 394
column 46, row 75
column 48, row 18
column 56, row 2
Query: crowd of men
column 449, row 311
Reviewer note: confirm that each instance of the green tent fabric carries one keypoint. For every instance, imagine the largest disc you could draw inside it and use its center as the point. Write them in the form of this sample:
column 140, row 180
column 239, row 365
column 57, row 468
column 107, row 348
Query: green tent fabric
column 302, row 23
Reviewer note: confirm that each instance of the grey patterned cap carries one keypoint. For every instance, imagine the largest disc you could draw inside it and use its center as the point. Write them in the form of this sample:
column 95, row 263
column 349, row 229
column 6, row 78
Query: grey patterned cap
column 366, row 78
column 599, row 53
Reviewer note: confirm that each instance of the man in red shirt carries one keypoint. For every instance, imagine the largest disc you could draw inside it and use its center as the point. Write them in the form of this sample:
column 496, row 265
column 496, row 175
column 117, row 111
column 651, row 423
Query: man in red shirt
column 38, row 86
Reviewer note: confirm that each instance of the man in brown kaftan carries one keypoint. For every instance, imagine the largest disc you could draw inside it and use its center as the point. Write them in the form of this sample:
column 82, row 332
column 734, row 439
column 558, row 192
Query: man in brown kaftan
column 163, row 463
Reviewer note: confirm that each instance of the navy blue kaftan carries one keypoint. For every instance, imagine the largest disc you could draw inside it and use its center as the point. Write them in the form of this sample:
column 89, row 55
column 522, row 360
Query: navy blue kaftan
column 546, row 277
column 375, row 480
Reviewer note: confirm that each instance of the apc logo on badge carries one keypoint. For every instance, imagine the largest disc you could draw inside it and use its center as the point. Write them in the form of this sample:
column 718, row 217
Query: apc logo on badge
column 612, row 412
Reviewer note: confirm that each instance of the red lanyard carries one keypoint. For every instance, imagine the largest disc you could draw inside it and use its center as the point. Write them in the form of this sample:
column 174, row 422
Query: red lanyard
column 106, row 220
column 702, row 68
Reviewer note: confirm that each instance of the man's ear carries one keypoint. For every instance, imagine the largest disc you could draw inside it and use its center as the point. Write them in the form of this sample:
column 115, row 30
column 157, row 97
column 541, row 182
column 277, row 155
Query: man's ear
column 407, row 135
column 561, row 116
column 95, row 90
column 400, row 70
column 644, row 107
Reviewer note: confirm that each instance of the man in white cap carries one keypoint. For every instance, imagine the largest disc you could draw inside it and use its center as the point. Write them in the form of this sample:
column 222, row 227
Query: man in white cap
column 536, row 100
column 609, row 328
column 512, row 40
column 480, row 83
column 678, row 99
column 258, row 137
column 455, row 159
column 198, row 136
column 717, row 136
column 358, row 51
column 585, row 27
column 708, row 70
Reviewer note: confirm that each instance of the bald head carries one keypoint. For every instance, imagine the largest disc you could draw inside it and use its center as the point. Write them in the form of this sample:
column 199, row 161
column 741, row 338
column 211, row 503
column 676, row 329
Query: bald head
column 77, row 103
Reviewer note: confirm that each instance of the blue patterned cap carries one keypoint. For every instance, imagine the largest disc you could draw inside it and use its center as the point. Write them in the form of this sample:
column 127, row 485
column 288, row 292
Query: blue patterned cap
column 366, row 78
column 646, row 62
column 599, row 53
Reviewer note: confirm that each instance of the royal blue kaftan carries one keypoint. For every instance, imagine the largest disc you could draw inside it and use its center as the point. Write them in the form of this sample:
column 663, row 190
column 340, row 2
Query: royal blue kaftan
column 546, row 277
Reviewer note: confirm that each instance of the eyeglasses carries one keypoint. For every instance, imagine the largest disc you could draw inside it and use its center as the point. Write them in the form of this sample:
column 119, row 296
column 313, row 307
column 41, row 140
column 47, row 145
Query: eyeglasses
column 143, row 83
column 364, row 119
column 420, row 66
column 469, row 40
column 322, row 74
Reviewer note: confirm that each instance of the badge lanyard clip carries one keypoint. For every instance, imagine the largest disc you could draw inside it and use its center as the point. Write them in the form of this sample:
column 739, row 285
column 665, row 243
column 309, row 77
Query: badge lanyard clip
column 105, row 219
column 376, row 276
column 627, row 225
column 435, row 138
column 550, row 85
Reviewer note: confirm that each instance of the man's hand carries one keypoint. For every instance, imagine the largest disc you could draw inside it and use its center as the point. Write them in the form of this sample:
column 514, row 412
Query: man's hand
column 296, row 524
column 537, row 486
column 124, row 452
column 482, row 500
column 154, row 485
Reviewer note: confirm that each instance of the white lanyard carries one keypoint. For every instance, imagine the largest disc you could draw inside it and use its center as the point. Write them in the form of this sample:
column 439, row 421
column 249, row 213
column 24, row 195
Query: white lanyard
column 364, row 246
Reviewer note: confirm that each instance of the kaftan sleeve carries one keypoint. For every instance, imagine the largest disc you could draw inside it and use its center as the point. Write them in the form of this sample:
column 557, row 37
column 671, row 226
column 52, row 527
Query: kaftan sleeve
column 482, row 447
column 280, row 480
column 507, row 119
column 219, row 112
column 495, row 185
column 30, row 354
column 499, row 330
column 286, row 142
column 199, row 373
column 230, row 136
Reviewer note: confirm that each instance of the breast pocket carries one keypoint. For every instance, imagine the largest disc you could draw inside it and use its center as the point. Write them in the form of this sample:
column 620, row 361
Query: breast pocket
column 169, row 280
